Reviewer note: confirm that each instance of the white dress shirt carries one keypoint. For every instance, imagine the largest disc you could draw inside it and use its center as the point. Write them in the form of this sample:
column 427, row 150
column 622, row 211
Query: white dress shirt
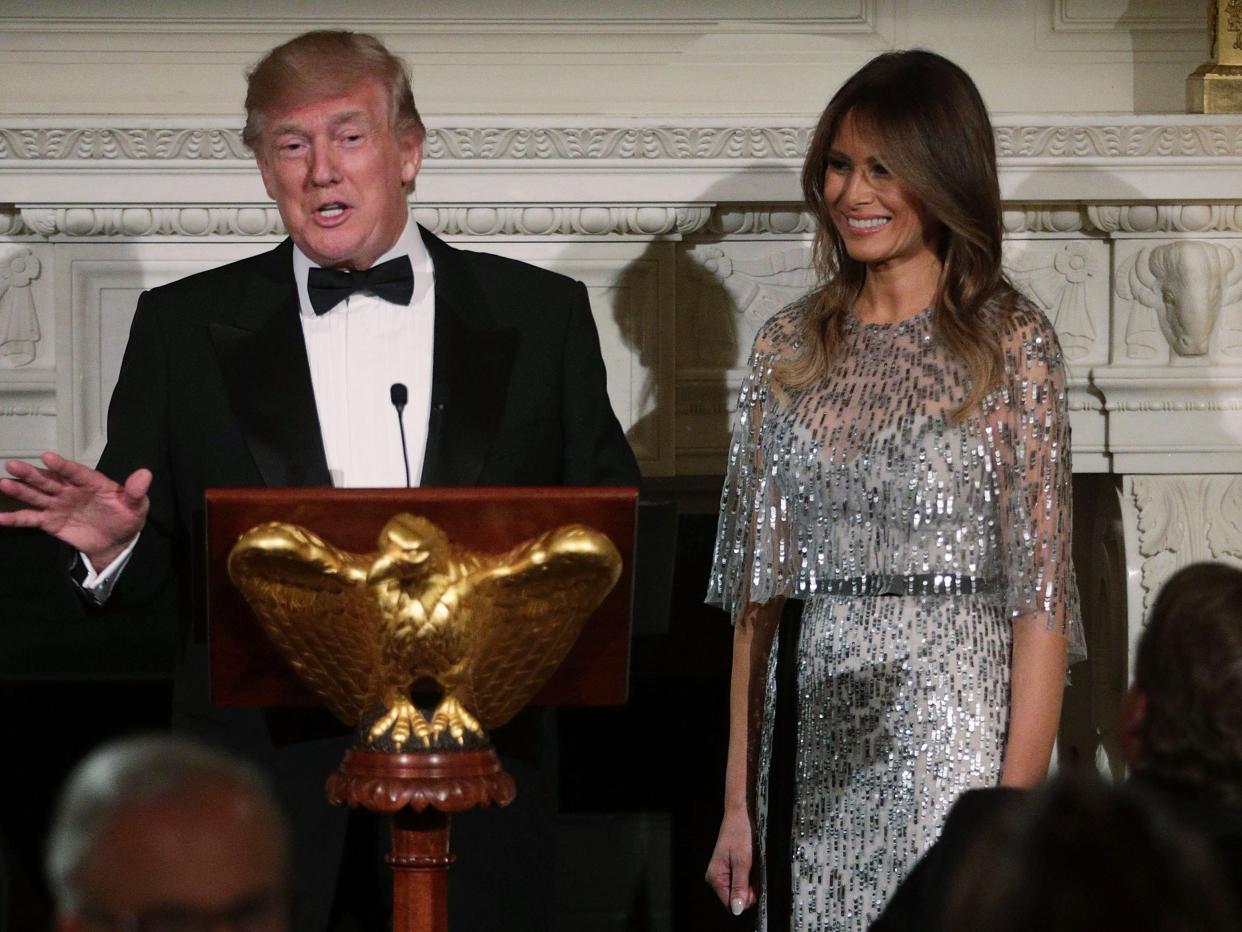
column 357, row 351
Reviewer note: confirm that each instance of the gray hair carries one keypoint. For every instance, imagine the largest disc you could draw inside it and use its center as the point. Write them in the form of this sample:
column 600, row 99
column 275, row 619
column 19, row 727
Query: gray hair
column 135, row 770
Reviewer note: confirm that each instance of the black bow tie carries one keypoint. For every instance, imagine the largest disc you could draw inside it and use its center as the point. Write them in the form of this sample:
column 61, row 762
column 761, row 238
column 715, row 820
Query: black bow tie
column 392, row 280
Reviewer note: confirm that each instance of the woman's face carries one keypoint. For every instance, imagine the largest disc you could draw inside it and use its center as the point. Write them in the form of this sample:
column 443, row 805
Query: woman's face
column 881, row 222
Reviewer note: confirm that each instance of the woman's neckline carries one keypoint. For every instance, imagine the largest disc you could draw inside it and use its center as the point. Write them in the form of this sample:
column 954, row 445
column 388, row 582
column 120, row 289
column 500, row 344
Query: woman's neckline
column 887, row 324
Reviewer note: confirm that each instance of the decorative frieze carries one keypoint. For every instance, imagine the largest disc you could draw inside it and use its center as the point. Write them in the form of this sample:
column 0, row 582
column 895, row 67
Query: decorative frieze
column 1168, row 138
column 1184, row 519
column 649, row 220
column 110, row 222
column 639, row 142
column 1165, row 218
column 1044, row 218
column 19, row 321
column 1067, row 280
column 735, row 220
column 258, row 221
column 1188, row 139
column 91, row 143
column 761, row 220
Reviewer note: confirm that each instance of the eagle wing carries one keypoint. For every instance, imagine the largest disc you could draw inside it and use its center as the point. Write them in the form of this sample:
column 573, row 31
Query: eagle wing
column 529, row 608
column 314, row 604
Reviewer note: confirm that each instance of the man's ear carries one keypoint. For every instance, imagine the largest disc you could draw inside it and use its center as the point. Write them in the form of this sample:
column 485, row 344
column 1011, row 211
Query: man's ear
column 1131, row 724
column 410, row 145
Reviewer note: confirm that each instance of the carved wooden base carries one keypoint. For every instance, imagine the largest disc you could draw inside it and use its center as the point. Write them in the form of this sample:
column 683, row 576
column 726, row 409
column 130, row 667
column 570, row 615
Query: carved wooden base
column 450, row 781
column 420, row 790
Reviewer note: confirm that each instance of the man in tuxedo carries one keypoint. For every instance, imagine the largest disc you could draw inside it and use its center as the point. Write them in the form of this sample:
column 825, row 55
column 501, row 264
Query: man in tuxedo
column 280, row 370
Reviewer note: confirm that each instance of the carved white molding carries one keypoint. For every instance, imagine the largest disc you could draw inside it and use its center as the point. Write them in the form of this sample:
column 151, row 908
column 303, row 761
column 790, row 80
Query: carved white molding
column 1171, row 419
column 1128, row 137
column 116, row 143
column 761, row 220
column 1165, row 218
column 678, row 160
column 113, row 222
column 28, row 412
column 1059, row 277
column 1184, row 303
column 782, row 219
column 65, row 144
column 1181, row 520
column 638, row 142
column 645, row 220
column 1122, row 218
column 1139, row 140
column 19, row 320
column 651, row 220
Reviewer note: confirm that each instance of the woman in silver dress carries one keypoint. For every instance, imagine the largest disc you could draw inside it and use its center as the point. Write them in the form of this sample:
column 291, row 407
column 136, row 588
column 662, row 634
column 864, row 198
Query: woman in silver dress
column 900, row 463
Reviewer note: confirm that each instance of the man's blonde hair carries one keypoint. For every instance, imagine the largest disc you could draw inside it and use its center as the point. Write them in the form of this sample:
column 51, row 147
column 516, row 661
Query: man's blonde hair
column 323, row 64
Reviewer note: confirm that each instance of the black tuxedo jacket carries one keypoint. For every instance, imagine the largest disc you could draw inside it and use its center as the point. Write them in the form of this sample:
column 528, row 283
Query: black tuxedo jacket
column 215, row 391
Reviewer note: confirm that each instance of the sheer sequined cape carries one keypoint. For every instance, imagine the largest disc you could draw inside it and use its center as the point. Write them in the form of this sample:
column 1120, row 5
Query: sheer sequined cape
column 862, row 472
column 902, row 701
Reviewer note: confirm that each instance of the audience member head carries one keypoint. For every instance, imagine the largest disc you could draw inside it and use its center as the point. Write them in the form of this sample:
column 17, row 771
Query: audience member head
column 1182, row 719
column 323, row 64
column 1081, row 855
column 160, row 833
column 925, row 124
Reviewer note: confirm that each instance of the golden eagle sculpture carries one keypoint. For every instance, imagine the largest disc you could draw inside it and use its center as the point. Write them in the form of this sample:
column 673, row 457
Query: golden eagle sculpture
column 362, row 629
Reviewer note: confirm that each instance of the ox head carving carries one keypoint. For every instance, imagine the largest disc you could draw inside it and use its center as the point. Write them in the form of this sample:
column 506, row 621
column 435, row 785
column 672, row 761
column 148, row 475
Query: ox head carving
column 1187, row 284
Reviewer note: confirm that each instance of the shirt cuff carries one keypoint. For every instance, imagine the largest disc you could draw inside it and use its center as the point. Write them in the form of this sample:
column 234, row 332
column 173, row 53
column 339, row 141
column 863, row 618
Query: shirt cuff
column 98, row 585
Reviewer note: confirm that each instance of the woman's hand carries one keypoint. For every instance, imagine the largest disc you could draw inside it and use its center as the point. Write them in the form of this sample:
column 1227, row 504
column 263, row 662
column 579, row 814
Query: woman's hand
column 728, row 872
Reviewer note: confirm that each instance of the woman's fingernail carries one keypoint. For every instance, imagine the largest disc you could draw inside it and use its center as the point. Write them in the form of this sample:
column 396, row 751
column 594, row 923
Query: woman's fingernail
column 736, row 905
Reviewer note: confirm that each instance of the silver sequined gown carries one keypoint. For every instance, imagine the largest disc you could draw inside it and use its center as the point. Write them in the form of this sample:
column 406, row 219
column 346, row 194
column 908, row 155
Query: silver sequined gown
column 902, row 701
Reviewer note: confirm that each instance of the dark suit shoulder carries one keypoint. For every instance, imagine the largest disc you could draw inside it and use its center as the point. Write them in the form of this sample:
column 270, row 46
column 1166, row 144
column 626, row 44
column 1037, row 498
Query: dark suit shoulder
column 492, row 269
column 516, row 292
column 221, row 288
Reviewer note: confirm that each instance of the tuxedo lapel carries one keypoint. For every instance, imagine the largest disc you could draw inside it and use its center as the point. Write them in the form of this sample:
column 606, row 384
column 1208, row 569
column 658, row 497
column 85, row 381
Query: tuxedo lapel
column 262, row 356
column 472, row 362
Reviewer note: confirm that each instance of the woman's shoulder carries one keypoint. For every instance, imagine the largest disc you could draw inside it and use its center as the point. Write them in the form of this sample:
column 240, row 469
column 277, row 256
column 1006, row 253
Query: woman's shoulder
column 784, row 330
column 1023, row 327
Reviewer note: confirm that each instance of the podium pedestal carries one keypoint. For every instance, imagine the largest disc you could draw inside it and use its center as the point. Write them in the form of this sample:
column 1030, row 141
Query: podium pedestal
column 421, row 791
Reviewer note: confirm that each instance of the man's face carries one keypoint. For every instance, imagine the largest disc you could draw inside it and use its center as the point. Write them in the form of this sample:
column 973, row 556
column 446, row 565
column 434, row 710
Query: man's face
column 338, row 174
column 200, row 857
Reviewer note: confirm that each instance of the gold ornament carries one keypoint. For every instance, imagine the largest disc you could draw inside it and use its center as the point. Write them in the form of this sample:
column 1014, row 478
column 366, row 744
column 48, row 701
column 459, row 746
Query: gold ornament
column 361, row 629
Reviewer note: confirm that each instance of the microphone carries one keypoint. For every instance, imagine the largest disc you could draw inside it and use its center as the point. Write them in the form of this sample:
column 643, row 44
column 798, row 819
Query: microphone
column 399, row 395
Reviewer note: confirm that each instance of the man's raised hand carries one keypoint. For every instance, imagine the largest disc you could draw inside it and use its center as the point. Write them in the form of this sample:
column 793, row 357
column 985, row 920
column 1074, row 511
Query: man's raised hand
column 78, row 505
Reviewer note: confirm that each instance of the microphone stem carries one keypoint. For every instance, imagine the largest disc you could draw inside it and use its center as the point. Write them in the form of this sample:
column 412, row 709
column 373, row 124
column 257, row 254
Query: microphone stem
column 405, row 456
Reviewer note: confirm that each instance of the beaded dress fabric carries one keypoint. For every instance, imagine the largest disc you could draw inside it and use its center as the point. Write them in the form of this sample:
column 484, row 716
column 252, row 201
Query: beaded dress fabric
column 902, row 699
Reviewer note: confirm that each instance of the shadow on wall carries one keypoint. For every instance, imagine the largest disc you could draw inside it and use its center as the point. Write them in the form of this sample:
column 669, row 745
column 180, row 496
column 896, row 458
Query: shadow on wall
column 723, row 294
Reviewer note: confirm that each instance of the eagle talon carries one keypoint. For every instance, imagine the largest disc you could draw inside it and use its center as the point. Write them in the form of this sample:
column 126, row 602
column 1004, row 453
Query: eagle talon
column 452, row 717
column 400, row 722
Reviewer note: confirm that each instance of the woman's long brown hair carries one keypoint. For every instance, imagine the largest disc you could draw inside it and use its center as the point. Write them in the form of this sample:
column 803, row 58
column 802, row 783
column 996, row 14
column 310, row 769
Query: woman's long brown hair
column 932, row 131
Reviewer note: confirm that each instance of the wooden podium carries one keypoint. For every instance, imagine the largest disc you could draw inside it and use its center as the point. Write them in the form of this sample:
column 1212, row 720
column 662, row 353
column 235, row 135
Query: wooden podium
column 420, row 788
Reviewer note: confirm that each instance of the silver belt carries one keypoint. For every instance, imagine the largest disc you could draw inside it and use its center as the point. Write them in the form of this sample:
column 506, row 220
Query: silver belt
column 922, row 584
